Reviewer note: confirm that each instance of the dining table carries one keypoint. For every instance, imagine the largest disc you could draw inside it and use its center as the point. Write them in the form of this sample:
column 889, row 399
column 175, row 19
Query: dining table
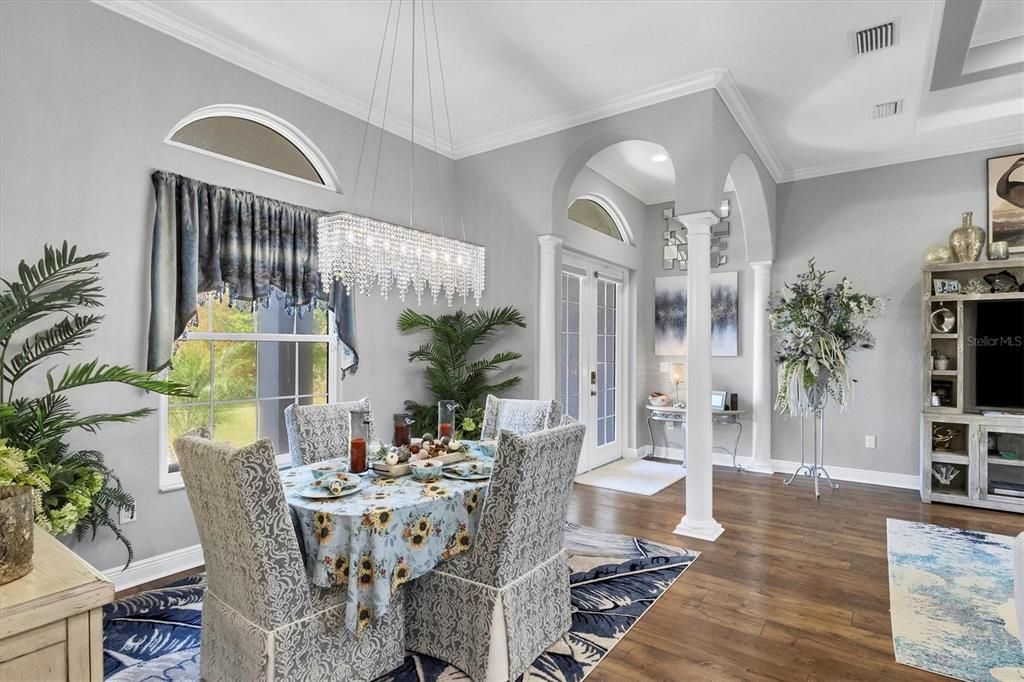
column 388, row 532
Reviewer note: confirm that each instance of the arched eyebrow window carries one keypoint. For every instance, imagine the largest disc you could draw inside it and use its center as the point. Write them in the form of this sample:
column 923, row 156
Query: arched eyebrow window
column 254, row 138
column 593, row 215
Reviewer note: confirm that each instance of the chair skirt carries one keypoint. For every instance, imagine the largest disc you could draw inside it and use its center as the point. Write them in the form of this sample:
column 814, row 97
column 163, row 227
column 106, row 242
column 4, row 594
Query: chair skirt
column 319, row 647
column 490, row 633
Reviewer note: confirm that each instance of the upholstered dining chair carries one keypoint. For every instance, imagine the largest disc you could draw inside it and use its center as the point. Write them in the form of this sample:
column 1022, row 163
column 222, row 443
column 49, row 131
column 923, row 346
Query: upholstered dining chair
column 518, row 416
column 319, row 432
column 493, row 609
column 262, row 618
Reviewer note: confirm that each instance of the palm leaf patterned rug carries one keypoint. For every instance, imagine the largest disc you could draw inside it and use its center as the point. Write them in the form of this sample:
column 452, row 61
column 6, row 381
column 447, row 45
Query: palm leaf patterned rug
column 154, row 635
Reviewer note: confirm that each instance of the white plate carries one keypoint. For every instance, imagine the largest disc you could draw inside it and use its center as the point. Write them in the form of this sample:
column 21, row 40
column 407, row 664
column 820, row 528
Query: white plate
column 319, row 492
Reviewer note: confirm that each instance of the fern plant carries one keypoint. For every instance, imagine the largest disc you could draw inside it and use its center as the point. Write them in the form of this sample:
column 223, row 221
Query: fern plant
column 75, row 489
column 451, row 373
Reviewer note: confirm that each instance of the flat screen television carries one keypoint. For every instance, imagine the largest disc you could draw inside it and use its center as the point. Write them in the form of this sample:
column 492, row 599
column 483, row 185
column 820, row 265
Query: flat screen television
column 999, row 355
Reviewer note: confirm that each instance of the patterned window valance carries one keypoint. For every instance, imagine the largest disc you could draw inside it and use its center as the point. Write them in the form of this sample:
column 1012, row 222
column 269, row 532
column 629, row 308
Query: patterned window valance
column 253, row 249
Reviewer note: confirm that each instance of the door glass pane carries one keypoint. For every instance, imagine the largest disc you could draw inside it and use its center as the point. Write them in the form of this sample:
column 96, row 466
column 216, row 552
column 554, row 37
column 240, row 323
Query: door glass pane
column 606, row 361
column 569, row 345
column 1004, row 452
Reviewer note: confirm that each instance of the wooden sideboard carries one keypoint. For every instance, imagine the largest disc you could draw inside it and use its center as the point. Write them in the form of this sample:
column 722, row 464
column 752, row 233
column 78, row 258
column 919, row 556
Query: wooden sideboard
column 51, row 620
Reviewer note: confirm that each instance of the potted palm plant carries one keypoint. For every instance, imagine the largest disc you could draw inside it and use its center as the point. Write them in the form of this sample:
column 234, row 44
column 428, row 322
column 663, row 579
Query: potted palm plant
column 46, row 313
column 454, row 370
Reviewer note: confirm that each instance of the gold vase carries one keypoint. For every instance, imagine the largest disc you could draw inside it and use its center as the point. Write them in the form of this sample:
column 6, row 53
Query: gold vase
column 967, row 241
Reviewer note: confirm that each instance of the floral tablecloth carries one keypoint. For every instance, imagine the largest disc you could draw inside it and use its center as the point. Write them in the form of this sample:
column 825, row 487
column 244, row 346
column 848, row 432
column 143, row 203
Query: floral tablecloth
column 393, row 530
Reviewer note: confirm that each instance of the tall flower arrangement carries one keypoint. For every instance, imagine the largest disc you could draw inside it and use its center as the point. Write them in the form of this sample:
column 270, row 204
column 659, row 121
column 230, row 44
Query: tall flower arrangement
column 815, row 326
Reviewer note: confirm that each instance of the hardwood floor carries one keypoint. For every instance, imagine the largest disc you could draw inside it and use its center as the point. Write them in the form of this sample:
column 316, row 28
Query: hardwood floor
column 795, row 589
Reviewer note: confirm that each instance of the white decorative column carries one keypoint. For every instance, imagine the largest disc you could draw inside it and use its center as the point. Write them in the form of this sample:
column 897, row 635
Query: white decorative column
column 698, row 521
column 547, row 316
column 761, row 401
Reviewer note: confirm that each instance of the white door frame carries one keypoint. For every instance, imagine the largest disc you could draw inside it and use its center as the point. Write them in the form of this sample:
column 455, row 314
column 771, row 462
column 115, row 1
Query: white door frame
column 587, row 267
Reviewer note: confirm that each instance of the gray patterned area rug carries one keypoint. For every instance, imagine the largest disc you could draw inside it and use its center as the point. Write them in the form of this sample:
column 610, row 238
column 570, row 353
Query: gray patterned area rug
column 154, row 635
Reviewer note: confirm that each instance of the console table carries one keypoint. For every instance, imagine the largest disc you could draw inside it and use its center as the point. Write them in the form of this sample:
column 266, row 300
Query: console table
column 677, row 415
column 51, row 620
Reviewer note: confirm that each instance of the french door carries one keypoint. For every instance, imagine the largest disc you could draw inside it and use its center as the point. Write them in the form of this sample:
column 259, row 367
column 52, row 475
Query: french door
column 591, row 367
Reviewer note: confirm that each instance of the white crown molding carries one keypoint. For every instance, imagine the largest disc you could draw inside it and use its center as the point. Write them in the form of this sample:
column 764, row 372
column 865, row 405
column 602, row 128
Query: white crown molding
column 733, row 98
column 155, row 567
column 152, row 15
column 663, row 92
column 907, row 156
column 155, row 17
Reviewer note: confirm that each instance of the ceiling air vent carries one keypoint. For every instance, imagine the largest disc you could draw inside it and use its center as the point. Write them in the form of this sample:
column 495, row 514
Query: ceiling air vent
column 875, row 38
column 887, row 109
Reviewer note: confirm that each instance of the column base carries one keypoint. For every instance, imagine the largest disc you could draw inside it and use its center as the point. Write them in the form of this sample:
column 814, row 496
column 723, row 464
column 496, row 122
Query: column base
column 703, row 530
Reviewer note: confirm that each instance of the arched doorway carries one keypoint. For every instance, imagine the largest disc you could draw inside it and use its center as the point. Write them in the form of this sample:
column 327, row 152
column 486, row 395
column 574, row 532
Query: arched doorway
column 609, row 229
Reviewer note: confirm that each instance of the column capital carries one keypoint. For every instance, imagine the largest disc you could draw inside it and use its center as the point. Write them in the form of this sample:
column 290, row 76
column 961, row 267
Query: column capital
column 549, row 242
column 699, row 222
column 765, row 265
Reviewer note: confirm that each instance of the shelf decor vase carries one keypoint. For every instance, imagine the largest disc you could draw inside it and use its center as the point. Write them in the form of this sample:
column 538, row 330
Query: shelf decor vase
column 967, row 241
column 16, row 525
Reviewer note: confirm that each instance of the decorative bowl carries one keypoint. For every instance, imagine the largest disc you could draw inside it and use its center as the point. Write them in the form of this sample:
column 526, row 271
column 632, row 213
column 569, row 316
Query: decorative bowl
column 426, row 471
column 659, row 400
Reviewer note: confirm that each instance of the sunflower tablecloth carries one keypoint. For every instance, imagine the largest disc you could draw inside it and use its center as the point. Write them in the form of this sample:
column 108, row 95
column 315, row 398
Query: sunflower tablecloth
column 393, row 530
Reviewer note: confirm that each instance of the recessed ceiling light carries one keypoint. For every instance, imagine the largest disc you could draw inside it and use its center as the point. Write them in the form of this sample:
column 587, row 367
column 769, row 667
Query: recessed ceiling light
column 658, row 158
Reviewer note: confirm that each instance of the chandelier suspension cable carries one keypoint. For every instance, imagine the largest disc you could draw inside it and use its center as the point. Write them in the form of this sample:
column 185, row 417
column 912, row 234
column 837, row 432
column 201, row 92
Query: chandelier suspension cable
column 365, row 253
column 447, row 116
column 412, row 117
column 373, row 97
column 433, row 126
column 387, row 100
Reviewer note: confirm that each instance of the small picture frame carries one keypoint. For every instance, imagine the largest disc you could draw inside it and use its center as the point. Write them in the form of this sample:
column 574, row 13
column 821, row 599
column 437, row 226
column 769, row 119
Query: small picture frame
column 946, row 286
column 718, row 400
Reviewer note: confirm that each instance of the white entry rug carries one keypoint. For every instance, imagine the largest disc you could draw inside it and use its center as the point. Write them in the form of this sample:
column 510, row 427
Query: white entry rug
column 634, row 476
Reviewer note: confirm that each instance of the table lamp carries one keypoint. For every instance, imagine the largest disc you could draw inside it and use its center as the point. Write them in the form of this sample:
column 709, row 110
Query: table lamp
column 677, row 375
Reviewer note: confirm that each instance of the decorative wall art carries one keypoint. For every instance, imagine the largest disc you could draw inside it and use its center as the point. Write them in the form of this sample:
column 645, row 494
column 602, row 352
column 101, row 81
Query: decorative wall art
column 1006, row 201
column 670, row 315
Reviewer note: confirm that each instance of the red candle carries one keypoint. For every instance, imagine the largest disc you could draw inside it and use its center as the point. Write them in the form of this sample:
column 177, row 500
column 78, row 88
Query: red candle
column 357, row 456
column 444, row 429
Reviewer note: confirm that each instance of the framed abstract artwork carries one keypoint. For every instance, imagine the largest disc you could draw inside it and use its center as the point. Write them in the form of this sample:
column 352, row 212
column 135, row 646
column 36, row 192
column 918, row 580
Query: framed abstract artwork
column 670, row 298
column 1006, row 201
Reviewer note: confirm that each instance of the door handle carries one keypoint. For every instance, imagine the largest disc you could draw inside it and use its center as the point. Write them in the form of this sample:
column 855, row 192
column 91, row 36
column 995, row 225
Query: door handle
column 593, row 393
column 593, row 378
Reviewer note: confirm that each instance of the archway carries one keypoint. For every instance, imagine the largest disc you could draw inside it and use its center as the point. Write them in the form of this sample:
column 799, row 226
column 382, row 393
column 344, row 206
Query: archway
column 743, row 179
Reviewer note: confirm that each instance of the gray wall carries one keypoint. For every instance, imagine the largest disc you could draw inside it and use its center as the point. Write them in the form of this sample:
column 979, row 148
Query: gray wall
column 874, row 226
column 88, row 97
column 732, row 374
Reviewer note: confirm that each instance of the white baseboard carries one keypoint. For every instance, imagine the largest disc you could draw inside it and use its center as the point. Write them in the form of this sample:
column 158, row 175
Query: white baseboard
column 155, row 567
column 785, row 466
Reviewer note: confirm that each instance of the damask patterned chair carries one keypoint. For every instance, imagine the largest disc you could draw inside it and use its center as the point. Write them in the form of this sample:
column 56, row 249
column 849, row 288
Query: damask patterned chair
column 492, row 610
column 262, row 618
column 518, row 416
column 319, row 432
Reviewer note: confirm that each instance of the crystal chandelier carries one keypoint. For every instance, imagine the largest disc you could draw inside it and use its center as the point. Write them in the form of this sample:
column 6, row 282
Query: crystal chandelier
column 365, row 254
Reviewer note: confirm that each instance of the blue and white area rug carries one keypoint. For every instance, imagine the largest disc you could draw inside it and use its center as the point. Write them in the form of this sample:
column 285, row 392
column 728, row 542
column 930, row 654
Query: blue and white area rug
column 951, row 598
column 154, row 635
